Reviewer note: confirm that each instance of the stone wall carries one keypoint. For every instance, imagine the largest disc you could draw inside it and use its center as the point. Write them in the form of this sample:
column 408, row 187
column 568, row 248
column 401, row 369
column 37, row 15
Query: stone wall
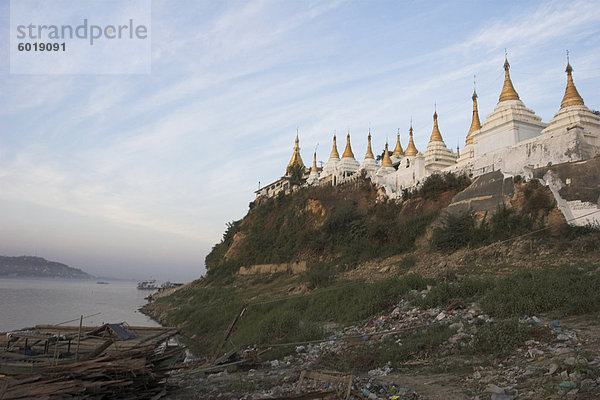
column 292, row 268
column 576, row 189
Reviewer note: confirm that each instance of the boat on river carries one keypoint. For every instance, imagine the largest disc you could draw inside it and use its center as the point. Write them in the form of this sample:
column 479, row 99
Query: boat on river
column 147, row 285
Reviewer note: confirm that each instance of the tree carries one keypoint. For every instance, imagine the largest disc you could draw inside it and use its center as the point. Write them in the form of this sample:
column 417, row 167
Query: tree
column 295, row 175
column 380, row 156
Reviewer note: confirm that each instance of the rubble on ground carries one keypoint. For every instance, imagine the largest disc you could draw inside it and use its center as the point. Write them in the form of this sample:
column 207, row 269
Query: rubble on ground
column 557, row 363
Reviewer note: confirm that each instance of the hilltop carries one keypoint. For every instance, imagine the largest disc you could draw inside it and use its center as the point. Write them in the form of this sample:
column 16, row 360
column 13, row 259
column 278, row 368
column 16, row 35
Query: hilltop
column 476, row 280
column 30, row 266
column 344, row 225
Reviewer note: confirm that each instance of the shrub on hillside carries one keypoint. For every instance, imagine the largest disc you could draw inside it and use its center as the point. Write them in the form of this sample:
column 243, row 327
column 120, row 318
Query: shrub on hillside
column 320, row 274
column 501, row 337
column 437, row 183
column 458, row 230
column 461, row 230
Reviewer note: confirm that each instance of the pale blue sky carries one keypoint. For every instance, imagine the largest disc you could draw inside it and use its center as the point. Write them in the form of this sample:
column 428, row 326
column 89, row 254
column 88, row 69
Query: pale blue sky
column 136, row 175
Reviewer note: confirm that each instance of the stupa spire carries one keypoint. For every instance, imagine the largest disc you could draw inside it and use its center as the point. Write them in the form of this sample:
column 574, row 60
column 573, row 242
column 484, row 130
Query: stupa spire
column 348, row 151
column 508, row 90
column 475, row 123
column 571, row 97
column 398, row 151
column 296, row 159
column 369, row 150
column 334, row 152
column 411, row 150
column 386, row 162
column 436, row 136
column 314, row 166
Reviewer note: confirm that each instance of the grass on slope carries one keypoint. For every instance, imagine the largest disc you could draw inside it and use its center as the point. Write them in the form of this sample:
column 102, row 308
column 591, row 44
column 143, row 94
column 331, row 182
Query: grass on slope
column 207, row 311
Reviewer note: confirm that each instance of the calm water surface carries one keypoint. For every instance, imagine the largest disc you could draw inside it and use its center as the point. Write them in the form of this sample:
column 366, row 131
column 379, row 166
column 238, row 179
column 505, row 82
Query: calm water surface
column 28, row 302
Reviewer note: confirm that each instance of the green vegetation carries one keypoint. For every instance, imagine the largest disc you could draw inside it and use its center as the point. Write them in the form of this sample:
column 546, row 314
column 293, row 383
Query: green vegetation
column 320, row 274
column 500, row 338
column 464, row 230
column 207, row 312
column 436, row 184
column 294, row 175
column 341, row 224
column 334, row 229
column 564, row 290
column 395, row 350
column 567, row 290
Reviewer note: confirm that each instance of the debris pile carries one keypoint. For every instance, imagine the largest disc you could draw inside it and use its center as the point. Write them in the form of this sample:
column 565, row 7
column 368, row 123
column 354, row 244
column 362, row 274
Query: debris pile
column 110, row 361
column 555, row 363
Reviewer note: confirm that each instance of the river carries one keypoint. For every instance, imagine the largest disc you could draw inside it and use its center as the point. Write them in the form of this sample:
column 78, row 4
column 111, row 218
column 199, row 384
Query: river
column 28, row 302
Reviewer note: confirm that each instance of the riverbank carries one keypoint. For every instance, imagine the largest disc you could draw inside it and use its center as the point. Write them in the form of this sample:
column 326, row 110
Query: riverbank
column 465, row 333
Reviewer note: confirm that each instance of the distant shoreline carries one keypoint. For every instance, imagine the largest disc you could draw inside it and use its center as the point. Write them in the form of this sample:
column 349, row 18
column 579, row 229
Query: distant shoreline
column 64, row 278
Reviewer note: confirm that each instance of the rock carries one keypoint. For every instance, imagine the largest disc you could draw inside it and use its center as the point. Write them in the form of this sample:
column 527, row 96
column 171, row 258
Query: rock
column 456, row 325
column 503, row 397
column 586, row 383
column 491, row 388
column 275, row 363
column 564, row 376
column 570, row 361
column 574, row 376
column 552, row 369
column 582, row 361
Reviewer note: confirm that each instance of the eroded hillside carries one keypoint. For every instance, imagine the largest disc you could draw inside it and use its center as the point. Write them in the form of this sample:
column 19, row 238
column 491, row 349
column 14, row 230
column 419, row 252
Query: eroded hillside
column 472, row 291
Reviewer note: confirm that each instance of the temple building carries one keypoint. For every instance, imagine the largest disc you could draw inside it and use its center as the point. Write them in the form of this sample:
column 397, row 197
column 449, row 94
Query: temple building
column 348, row 165
column 369, row 165
column 437, row 155
column 512, row 139
column 510, row 123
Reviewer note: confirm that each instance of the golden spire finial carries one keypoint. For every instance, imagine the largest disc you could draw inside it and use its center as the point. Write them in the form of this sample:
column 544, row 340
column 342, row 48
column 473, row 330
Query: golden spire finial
column 386, row 162
column 436, row 136
column 411, row 150
column 314, row 166
column 457, row 151
column 334, row 152
column 508, row 90
column 348, row 151
column 571, row 97
column 398, row 151
column 369, row 150
column 296, row 159
column 475, row 123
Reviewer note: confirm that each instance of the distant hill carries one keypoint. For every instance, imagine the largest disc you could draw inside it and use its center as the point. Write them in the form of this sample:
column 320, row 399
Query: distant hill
column 29, row 266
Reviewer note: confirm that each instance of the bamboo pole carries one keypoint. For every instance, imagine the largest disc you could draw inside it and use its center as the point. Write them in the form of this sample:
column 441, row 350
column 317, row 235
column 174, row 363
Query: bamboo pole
column 79, row 338
column 56, row 348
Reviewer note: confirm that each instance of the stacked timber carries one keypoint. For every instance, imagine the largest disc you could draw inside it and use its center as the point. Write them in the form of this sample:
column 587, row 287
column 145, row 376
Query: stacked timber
column 106, row 367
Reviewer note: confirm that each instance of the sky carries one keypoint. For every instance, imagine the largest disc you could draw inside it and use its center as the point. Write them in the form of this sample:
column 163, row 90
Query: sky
column 136, row 175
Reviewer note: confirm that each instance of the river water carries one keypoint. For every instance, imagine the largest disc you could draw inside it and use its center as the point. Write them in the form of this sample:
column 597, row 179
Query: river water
column 28, row 302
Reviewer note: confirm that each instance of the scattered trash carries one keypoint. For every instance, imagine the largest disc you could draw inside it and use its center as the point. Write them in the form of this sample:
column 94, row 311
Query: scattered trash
column 553, row 356
column 568, row 385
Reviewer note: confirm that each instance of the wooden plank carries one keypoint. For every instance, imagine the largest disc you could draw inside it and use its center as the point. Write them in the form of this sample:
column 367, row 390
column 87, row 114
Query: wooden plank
column 3, row 386
column 98, row 350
